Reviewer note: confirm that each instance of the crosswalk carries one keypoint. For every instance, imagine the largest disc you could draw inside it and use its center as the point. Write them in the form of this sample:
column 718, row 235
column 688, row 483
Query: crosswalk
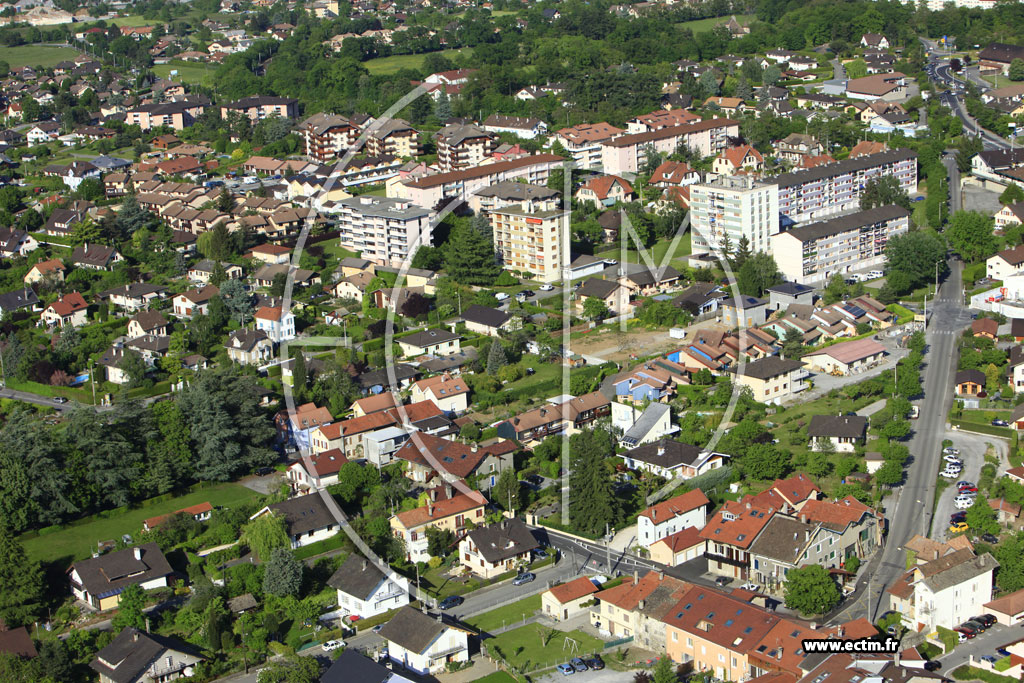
column 952, row 333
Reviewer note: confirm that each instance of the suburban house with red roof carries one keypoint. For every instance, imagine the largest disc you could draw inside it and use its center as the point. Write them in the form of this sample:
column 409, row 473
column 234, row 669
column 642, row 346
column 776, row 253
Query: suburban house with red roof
column 429, row 455
column 450, row 394
column 450, row 514
column 279, row 326
column 325, row 468
column 672, row 515
column 200, row 512
column 737, row 159
column 502, row 547
column 677, row 548
column 638, row 607
column 566, row 600
column 70, row 309
column 729, row 534
column 606, row 190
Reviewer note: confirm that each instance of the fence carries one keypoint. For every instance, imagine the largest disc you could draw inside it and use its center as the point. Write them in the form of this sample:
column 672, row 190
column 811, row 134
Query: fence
column 615, row 643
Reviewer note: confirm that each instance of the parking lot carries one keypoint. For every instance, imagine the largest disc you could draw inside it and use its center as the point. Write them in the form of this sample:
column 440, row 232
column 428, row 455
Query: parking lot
column 605, row 675
column 972, row 452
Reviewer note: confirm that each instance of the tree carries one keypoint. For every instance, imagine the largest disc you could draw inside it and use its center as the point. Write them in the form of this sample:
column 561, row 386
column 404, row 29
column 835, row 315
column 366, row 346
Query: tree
column 890, row 473
column 278, row 284
column 1016, row 71
column 21, row 579
column 129, row 608
column 1011, row 195
column 237, row 300
column 811, row 590
column 664, row 671
column 439, row 541
column 443, row 109
column 469, row 256
column 883, row 192
column 592, row 502
column 970, row 234
column 133, row 367
column 291, row 669
column 793, row 343
column 595, row 308
column 507, row 491
column 757, row 274
column 225, row 201
column 765, row 462
column 283, row 573
column 496, row 358
column 415, row 306
column 265, row 534
column 131, row 217
column 981, row 517
column 428, row 257
column 741, row 254
column 914, row 254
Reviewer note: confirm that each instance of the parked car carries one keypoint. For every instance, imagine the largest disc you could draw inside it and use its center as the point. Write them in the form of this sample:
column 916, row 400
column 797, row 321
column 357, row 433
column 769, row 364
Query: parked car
column 535, row 479
column 932, row 665
column 723, row 581
column 949, row 457
column 1002, row 652
column 59, row 399
column 578, row 664
column 595, row 662
column 450, row 601
column 332, row 645
column 962, row 502
column 377, row 628
column 949, row 474
column 566, row 669
column 957, row 517
column 961, row 636
column 968, row 489
column 1000, row 423
column 969, row 628
column 546, row 288
column 540, row 554
column 501, row 296
column 987, row 619
column 989, row 658
column 958, row 527
column 525, row 577
column 949, row 450
column 964, row 483
column 965, row 632
column 264, row 471
column 976, row 625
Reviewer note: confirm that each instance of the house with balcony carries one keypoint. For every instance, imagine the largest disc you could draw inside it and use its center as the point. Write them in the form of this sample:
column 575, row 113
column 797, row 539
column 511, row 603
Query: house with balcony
column 535, row 425
column 366, row 591
column 638, row 608
column 430, row 342
column 944, row 592
column 502, row 547
column 772, row 379
column 728, row 536
column 277, row 325
column 322, row 473
column 671, row 459
column 663, row 519
column 307, row 519
column 135, row 656
column 450, row 513
column 99, row 581
column 425, row 643
column 249, row 347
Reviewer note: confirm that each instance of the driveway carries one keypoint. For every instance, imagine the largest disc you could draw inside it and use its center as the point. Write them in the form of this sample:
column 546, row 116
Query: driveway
column 972, row 452
column 985, row 644
column 824, row 383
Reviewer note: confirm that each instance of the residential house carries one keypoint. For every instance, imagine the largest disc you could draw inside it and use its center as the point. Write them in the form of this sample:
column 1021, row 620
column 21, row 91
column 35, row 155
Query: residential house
column 671, row 459
column 133, row 296
column 351, row 665
column 743, row 311
column 194, row 301
column 51, row 270
column 450, row 514
column 566, row 600
column 71, row 309
column 1007, row 513
column 1010, row 214
column 430, row 342
column 796, row 147
column 584, row 141
column 638, row 608
column 969, row 383
column 606, row 190
column 499, row 548
column 944, row 592
column 486, row 320
column 837, row 433
column 521, row 126
column 15, row 242
column 640, row 426
column 307, row 519
column 19, row 299
column 95, row 257
column 424, row 643
column 99, row 581
column 772, row 379
column 729, row 534
column 366, row 591
column 567, row 417
column 743, row 158
column 461, row 146
column 277, row 325
column 135, row 656
column 785, row 294
column 373, row 404
column 147, row 322
column 259, row 107
column 450, row 394
column 113, row 360
column 675, row 549
column 609, row 292
column 846, row 358
column 985, row 327
column 325, row 468
column 249, row 347
column 671, row 516
column 200, row 512
column 429, row 456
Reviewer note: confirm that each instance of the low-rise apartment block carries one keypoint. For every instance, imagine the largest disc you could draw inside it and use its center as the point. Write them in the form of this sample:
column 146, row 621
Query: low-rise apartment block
column 628, row 153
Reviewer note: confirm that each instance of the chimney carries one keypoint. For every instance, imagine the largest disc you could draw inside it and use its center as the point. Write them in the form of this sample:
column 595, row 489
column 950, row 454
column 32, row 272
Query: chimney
column 472, row 449
column 135, row 636
column 448, row 490
column 661, row 575
column 137, row 551
column 364, row 564
column 661, row 449
column 896, row 657
column 642, row 603
column 748, row 505
column 779, row 655
column 636, row 575
column 654, row 514
column 440, row 619
column 430, row 510
column 803, row 518
column 433, row 495
column 839, row 631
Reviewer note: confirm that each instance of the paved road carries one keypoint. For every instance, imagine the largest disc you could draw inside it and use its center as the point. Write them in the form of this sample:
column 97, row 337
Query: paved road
column 953, row 172
column 985, row 644
column 38, row 400
column 905, row 518
column 838, row 70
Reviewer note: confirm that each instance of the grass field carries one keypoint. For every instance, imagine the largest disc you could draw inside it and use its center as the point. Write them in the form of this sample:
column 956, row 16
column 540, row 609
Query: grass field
column 497, row 677
column 524, row 647
column 36, row 55
column 383, row 66
column 79, row 541
column 656, row 252
column 187, row 72
column 704, row 25
column 134, row 20
column 509, row 614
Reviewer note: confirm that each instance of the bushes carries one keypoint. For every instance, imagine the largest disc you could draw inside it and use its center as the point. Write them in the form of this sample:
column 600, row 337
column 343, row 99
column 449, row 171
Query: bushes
column 969, row 673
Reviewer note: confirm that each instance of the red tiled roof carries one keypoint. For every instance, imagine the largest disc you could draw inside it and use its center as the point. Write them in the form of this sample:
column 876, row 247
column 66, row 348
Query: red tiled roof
column 674, row 507
column 68, row 304
column 458, row 504
column 377, row 403
column 602, row 185
column 577, row 588
column 847, row 511
column 681, row 540
column 745, row 524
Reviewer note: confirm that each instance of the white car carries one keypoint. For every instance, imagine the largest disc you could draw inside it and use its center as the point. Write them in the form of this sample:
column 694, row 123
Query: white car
column 333, row 645
column 949, row 450
column 875, row 274
column 611, row 261
column 546, row 288
column 949, row 474
column 963, row 502
column 949, row 457
column 501, row 296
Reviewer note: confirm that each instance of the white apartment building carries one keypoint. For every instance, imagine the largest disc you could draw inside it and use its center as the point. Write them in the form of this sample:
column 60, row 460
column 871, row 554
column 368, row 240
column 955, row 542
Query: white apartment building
column 833, row 188
column 733, row 207
column 584, row 142
column 627, row 153
column 382, row 229
column 812, row 253
column 530, row 240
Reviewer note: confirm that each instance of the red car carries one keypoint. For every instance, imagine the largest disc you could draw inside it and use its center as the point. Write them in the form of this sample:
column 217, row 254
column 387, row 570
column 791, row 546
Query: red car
column 968, row 489
column 969, row 632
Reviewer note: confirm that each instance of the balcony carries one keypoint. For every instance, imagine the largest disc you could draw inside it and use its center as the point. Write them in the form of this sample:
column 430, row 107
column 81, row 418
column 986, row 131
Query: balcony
column 724, row 559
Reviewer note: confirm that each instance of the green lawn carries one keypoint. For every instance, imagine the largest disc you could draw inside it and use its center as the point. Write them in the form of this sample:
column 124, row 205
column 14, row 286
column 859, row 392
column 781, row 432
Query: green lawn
column 333, row 250
column 509, row 614
column 188, row 72
column 704, row 25
column 656, row 253
column 36, row 55
column 497, row 677
column 79, row 541
column 523, row 647
column 134, row 20
column 384, row 66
